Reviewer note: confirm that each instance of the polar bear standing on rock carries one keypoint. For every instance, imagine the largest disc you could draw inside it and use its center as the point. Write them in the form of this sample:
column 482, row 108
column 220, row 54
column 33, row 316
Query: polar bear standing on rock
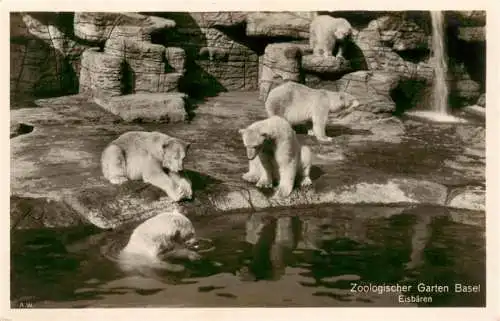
column 325, row 31
column 274, row 152
column 165, row 236
column 298, row 103
column 142, row 155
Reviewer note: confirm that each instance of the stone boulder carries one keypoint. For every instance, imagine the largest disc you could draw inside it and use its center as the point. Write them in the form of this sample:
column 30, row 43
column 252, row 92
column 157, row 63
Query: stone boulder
column 218, row 19
column 130, row 66
column 472, row 34
column 371, row 88
column 278, row 24
column 463, row 89
column 481, row 101
column 176, row 59
column 399, row 33
column 148, row 107
column 97, row 27
column 466, row 18
column 146, row 63
column 472, row 198
column 101, row 74
column 322, row 65
column 377, row 56
column 467, row 90
column 280, row 62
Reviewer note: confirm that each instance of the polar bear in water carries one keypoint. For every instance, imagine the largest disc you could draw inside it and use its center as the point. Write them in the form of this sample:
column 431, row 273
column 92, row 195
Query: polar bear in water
column 165, row 236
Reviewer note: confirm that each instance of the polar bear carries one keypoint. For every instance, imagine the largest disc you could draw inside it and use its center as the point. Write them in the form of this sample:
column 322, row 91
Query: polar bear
column 274, row 152
column 169, row 235
column 298, row 103
column 142, row 155
column 325, row 31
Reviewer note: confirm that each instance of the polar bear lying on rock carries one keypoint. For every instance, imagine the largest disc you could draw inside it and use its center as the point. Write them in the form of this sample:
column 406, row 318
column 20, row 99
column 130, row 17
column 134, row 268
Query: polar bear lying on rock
column 325, row 32
column 142, row 155
column 160, row 238
column 274, row 152
column 298, row 103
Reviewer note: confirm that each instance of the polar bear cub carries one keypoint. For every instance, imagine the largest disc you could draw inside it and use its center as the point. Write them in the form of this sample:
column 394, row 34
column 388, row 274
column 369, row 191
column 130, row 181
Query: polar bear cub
column 274, row 152
column 162, row 237
column 298, row 103
column 142, row 155
column 325, row 31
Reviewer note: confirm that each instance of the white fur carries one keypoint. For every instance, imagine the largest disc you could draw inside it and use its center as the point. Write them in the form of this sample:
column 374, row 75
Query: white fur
column 298, row 103
column 284, row 160
column 139, row 155
column 162, row 233
column 325, row 31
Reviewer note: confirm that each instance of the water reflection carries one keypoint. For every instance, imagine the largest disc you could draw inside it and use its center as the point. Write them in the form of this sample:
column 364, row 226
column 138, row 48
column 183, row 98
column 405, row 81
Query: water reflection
column 411, row 247
column 311, row 255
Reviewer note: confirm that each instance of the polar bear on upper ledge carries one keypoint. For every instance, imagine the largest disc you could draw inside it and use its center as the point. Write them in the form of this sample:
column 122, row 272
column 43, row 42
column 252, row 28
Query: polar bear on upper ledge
column 142, row 155
column 298, row 103
column 274, row 153
column 325, row 32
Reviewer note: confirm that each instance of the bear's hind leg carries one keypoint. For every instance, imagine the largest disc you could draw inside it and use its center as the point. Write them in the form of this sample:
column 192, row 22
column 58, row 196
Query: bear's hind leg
column 319, row 120
column 113, row 164
column 305, row 166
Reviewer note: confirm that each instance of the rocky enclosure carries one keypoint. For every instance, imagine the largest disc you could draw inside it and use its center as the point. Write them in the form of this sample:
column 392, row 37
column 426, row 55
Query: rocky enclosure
column 116, row 72
column 106, row 55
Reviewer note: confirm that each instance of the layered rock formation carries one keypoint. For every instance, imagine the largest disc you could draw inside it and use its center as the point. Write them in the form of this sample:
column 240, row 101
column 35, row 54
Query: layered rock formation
column 203, row 53
column 217, row 60
column 280, row 62
column 131, row 65
column 45, row 60
column 279, row 24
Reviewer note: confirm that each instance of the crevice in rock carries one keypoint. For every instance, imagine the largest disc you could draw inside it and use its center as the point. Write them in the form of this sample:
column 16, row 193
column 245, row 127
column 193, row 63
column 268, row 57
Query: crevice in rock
column 20, row 129
column 415, row 55
column 471, row 54
column 410, row 94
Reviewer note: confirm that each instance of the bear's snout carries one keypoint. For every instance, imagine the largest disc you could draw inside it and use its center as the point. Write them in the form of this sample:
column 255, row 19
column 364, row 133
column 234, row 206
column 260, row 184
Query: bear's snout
column 355, row 103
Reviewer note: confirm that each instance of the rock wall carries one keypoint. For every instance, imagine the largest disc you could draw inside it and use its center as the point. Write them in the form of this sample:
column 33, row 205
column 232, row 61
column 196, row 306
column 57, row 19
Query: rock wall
column 205, row 53
column 45, row 60
column 216, row 61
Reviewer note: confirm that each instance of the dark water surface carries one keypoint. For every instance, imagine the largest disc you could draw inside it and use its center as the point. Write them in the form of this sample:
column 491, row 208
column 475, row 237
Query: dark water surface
column 290, row 257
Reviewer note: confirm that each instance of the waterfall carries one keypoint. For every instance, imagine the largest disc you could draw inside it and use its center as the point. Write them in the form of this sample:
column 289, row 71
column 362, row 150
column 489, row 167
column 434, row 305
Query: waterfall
column 439, row 96
column 438, row 110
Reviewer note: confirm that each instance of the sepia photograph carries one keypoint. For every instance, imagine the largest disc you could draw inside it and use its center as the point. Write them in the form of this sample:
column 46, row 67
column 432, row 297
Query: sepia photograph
column 247, row 159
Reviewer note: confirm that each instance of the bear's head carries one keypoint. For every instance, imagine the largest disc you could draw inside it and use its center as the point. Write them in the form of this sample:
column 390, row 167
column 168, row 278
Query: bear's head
column 179, row 236
column 253, row 141
column 342, row 103
column 348, row 100
column 171, row 152
column 343, row 33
